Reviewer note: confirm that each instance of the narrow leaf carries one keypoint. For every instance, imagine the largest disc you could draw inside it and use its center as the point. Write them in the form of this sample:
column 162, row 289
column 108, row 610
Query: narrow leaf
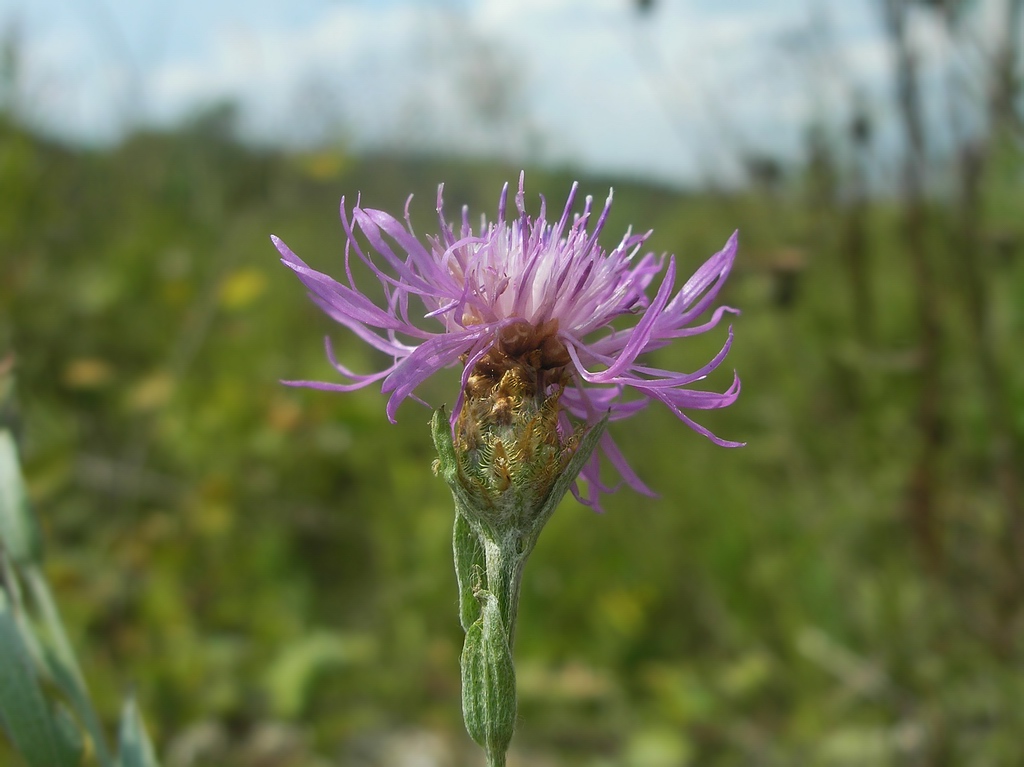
column 19, row 531
column 469, row 560
column 488, row 679
column 23, row 709
column 58, row 658
column 70, row 741
column 134, row 747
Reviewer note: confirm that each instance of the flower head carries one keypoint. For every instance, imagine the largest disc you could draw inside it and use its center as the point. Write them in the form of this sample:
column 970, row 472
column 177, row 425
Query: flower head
column 527, row 306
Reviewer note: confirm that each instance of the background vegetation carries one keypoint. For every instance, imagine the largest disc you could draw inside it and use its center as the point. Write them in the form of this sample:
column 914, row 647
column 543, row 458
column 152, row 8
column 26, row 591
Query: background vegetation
column 270, row 568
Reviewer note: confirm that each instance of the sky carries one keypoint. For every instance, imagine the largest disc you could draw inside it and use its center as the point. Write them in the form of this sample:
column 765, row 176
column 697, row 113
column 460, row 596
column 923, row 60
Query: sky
column 676, row 94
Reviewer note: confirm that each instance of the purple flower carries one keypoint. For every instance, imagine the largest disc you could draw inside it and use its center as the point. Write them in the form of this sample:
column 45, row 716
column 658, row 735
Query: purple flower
column 525, row 289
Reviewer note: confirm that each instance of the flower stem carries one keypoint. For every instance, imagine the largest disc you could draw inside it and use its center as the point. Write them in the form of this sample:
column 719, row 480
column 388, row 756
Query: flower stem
column 504, row 577
column 496, row 528
column 489, row 584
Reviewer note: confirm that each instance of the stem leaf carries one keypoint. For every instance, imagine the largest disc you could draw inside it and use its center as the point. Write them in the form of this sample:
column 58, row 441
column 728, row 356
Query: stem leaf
column 19, row 531
column 24, row 712
column 489, row 679
column 134, row 746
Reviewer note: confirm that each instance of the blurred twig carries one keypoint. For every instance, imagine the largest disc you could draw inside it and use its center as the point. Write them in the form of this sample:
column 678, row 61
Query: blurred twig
column 921, row 507
column 998, row 91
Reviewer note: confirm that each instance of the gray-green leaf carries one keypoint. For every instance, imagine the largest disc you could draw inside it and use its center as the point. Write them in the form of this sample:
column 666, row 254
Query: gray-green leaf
column 469, row 560
column 19, row 531
column 488, row 679
column 134, row 747
column 23, row 708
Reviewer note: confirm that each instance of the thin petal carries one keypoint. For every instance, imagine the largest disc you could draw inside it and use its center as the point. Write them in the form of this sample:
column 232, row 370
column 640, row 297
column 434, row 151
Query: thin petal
column 429, row 357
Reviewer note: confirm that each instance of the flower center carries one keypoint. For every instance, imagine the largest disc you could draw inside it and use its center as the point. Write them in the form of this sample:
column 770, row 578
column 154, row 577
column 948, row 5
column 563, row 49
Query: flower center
column 508, row 428
column 533, row 354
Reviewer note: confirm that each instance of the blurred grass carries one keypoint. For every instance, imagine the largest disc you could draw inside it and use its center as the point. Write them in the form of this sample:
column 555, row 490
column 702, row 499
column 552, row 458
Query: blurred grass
column 271, row 567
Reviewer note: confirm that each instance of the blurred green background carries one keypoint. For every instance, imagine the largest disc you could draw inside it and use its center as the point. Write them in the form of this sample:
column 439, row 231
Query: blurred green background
column 270, row 568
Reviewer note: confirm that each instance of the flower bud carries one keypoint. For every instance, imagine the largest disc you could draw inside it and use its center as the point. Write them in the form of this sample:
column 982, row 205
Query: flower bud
column 509, row 445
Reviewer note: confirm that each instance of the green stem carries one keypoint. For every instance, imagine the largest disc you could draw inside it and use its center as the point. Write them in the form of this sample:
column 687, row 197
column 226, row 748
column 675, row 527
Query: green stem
column 502, row 502
column 504, row 577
